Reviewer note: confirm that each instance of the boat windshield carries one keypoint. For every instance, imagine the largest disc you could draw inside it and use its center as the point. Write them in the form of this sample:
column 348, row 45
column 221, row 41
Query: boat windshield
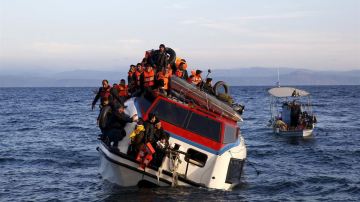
column 170, row 113
column 186, row 119
column 204, row 126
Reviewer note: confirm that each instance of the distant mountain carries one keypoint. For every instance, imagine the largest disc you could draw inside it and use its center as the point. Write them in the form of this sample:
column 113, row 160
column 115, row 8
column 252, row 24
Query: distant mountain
column 243, row 76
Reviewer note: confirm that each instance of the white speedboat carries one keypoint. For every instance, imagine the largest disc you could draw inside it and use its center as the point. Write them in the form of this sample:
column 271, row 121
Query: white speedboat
column 207, row 148
column 291, row 112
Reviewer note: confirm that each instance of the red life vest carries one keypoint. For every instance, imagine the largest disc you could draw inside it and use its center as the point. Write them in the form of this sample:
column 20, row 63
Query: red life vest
column 105, row 94
column 130, row 73
column 145, row 155
column 148, row 78
column 123, row 90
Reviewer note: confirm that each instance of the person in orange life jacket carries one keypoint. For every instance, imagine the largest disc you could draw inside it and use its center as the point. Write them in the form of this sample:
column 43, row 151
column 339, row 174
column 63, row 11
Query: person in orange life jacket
column 181, row 72
column 165, row 76
column 147, row 78
column 118, row 119
column 138, row 72
column 122, row 89
column 197, row 78
column 136, row 91
column 104, row 95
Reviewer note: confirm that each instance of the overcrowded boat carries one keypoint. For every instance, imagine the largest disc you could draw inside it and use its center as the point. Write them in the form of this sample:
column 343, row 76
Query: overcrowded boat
column 202, row 145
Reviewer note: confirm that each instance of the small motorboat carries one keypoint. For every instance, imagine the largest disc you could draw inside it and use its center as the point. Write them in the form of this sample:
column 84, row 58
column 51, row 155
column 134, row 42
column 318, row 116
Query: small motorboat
column 206, row 146
column 291, row 112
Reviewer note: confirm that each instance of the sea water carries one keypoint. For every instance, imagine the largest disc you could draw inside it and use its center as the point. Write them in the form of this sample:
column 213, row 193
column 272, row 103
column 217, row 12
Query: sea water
column 48, row 140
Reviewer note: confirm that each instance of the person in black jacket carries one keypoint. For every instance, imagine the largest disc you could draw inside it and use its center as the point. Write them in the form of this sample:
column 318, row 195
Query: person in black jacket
column 117, row 122
column 161, row 58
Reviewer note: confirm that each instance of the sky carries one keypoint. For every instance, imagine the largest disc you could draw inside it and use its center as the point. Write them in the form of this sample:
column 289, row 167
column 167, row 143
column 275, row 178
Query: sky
column 63, row 35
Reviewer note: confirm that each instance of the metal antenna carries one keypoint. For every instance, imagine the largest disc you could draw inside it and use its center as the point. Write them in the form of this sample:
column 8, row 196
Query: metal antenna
column 278, row 81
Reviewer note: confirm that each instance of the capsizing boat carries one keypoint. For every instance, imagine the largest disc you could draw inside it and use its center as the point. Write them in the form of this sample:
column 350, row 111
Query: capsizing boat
column 207, row 148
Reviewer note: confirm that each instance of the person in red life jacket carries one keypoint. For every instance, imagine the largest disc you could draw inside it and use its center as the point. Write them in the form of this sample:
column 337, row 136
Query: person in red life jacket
column 123, row 92
column 165, row 77
column 190, row 79
column 104, row 95
column 131, row 73
column 197, row 78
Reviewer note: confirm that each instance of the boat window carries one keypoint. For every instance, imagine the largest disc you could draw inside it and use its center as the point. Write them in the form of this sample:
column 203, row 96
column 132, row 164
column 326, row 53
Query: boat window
column 204, row 126
column 230, row 135
column 195, row 157
column 170, row 112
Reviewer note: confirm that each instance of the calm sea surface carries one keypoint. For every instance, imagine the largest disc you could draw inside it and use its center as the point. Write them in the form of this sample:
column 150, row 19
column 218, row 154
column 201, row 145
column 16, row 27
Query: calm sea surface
column 48, row 140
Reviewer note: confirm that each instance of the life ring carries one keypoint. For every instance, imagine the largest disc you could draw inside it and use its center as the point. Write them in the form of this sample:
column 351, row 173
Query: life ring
column 104, row 117
column 220, row 84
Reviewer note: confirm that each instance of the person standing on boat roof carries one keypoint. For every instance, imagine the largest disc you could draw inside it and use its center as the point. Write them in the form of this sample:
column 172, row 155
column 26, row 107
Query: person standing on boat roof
column 159, row 58
column 117, row 122
column 103, row 94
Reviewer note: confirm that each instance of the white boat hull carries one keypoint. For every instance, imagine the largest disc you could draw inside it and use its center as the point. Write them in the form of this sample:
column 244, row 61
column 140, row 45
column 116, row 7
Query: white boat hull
column 294, row 133
column 125, row 172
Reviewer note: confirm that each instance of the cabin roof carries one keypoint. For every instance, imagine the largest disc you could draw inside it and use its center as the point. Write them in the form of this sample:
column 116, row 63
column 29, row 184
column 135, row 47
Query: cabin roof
column 287, row 92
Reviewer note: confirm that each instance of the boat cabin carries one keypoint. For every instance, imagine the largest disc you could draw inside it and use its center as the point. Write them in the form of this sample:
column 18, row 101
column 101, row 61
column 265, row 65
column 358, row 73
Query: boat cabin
column 192, row 124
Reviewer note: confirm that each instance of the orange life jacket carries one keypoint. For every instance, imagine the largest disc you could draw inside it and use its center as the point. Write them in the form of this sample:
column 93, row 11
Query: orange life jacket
column 137, row 73
column 178, row 61
column 149, row 78
column 123, row 90
column 105, row 94
column 197, row 79
column 161, row 76
column 145, row 155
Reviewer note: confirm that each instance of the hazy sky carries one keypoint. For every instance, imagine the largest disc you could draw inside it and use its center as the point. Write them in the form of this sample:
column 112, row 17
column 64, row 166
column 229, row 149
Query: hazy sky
column 60, row 35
